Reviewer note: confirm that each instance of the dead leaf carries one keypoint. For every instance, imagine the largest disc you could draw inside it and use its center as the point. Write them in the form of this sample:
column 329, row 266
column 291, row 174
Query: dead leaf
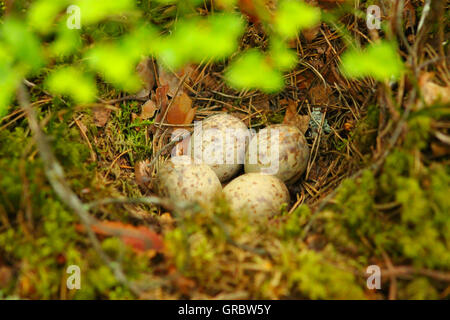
column 146, row 73
column 292, row 118
column 432, row 92
column 172, row 79
column 148, row 110
column 181, row 111
column 139, row 238
column 142, row 174
column 303, row 80
column 311, row 33
column 439, row 149
column 162, row 101
column 101, row 116
column 6, row 274
column 320, row 95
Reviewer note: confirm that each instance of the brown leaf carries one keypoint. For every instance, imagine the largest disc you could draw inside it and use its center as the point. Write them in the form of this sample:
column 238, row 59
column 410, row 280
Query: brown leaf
column 292, row 118
column 148, row 110
column 139, row 238
column 181, row 111
column 320, row 95
column 439, row 149
column 311, row 33
column 146, row 73
column 190, row 116
column 172, row 79
column 6, row 274
column 431, row 91
column 303, row 80
column 101, row 116
column 142, row 174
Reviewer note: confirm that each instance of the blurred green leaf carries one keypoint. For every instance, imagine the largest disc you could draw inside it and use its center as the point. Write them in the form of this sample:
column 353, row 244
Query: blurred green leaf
column 116, row 62
column 95, row 11
column 199, row 39
column 67, row 41
column 42, row 14
column 115, row 65
column 252, row 70
column 282, row 57
column 9, row 78
column 140, row 41
column 72, row 82
column 378, row 60
column 293, row 16
column 22, row 44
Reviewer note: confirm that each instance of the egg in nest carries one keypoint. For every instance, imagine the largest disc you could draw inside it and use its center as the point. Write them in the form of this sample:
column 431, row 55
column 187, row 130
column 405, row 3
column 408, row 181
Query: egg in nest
column 220, row 141
column 258, row 194
column 279, row 150
column 179, row 179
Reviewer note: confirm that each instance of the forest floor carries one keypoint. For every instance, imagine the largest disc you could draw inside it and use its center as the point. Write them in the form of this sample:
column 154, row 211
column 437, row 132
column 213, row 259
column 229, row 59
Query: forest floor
column 375, row 191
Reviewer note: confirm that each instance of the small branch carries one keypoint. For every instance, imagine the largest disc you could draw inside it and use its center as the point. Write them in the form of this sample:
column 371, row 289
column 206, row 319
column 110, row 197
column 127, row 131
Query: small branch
column 425, row 11
column 166, row 203
column 408, row 271
column 126, row 98
column 167, row 146
column 55, row 175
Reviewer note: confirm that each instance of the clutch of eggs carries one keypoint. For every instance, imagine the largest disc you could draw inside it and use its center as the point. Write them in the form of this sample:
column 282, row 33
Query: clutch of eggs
column 218, row 149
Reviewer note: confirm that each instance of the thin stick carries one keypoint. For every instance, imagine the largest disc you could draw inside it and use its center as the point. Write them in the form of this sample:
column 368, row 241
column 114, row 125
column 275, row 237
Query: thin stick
column 55, row 175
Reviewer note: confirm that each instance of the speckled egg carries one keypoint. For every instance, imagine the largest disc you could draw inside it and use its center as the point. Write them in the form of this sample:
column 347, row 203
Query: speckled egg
column 220, row 141
column 258, row 194
column 179, row 179
column 279, row 150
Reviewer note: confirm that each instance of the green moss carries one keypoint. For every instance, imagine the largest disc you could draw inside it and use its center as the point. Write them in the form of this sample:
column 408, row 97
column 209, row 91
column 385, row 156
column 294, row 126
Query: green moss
column 419, row 289
column 317, row 278
column 365, row 132
column 413, row 229
column 44, row 251
column 418, row 133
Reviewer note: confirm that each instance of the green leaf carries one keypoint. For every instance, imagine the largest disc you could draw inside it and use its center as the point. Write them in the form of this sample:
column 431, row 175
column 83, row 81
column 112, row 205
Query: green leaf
column 115, row 65
column 22, row 44
column 67, row 41
column 9, row 79
column 43, row 13
column 199, row 39
column 293, row 16
column 95, row 11
column 252, row 70
column 116, row 62
column 140, row 41
column 282, row 57
column 379, row 60
column 72, row 82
